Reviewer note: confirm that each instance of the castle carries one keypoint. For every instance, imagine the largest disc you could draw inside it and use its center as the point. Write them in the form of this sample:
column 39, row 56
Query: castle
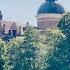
column 48, row 16
column 9, row 29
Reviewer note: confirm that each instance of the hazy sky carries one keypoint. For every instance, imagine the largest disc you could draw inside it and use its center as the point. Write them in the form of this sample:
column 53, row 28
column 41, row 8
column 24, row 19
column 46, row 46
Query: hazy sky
column 25, row 10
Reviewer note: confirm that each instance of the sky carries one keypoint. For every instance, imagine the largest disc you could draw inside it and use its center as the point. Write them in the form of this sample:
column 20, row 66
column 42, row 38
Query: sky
column 23, row 11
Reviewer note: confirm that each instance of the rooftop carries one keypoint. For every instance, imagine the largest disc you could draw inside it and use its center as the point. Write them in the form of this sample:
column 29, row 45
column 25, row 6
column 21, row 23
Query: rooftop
column 50, row 6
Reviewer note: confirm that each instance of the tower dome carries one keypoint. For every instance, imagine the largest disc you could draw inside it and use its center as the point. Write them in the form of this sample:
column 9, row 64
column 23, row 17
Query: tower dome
column 50, row 7
column 48, row 15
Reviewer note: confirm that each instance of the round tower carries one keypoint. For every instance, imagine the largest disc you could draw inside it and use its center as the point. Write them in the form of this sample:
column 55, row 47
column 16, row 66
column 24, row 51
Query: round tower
column 49, row 14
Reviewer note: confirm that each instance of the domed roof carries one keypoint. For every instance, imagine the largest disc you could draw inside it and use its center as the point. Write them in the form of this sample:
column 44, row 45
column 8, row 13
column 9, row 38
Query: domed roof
column 50, row 7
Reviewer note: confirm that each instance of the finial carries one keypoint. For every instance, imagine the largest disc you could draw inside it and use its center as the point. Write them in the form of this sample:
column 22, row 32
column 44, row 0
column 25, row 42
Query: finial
column 27, row 24
column 51, row 0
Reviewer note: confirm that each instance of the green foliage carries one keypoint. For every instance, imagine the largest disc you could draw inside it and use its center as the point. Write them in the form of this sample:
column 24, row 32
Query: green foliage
column 60, row 58
column 2, row 50
column 64, row 24
column 29, row 49
column 40, row 57
column 12, row 54
column 20, row 55
column 35, row 51
column 46, row 48
column 30, row 45
column 53, row 37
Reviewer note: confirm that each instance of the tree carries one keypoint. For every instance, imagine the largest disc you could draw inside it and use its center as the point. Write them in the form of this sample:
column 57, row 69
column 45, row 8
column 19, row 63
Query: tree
column 60, row 59
column 31, row 38
column 2, row 49
column 64, row 25
column 21, row 55
column 53, row 37
column 11, row 55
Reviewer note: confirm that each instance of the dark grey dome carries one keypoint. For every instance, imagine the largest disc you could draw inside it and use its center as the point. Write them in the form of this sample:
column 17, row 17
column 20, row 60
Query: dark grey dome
column 51, row 7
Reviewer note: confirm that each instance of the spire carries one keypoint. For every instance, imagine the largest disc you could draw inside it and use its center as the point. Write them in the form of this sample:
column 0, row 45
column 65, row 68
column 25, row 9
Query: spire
column 51, row 1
